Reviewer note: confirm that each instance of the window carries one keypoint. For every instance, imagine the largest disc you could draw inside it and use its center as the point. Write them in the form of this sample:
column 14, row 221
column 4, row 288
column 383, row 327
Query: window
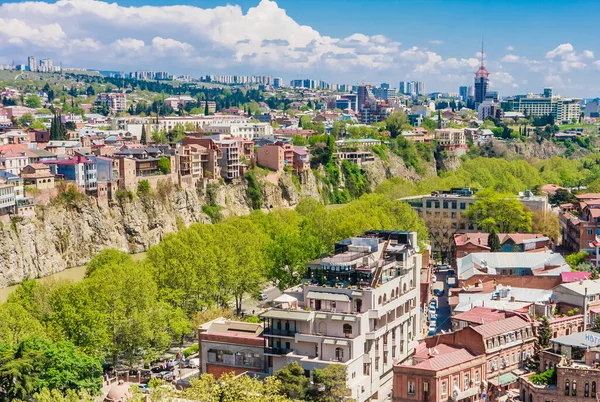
column 454, row 384
column 567, row 387
column 586, row 389
column 514, row 358
column 593, row 389
column 463, row 205
column 574, row 388
column 339, row 354
column 465, row 382
column 426, row 387
column 444, row 388
column 411, row 388
column 347, row 330
column 589, row 231
column 477, row 377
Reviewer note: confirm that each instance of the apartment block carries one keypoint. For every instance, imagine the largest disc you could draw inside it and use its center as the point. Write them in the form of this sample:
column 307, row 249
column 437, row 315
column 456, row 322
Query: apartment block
column 116, row 101
column 358, row 307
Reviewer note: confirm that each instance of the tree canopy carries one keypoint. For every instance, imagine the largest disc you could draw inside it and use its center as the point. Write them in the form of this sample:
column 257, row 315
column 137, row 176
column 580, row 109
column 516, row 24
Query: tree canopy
column 501, row 212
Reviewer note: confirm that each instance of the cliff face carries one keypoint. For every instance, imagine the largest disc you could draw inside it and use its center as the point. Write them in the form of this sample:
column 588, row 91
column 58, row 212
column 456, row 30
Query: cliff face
column 64, row 234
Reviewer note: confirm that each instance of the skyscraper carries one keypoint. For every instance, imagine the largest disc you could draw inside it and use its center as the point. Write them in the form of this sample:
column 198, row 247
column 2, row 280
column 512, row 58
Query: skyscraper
column 385, row 85
column 547, row 92
column 482, row 82
column 31, row 63
column 463, row 93
column 420, row 87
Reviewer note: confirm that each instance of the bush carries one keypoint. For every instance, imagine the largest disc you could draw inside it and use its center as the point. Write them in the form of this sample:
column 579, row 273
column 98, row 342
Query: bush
column 190, row 351
column 143, row 187
column 213, row 212
column 547, row 377
column 253, row 191
column 69, row 194
column 123, row 195
column 252, row 319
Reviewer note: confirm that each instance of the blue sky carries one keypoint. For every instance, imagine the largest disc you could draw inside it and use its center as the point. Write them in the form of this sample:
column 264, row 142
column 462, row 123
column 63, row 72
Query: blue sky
column 528, row 44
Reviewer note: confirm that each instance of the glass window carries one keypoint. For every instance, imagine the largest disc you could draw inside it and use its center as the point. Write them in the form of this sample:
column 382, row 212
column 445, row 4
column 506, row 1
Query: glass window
column 444, row 388
column 411, row 388
column 567, row 387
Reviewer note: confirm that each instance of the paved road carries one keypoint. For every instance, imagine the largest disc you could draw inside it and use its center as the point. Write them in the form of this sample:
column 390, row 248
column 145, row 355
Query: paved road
column 443, row 308
column 250, row 305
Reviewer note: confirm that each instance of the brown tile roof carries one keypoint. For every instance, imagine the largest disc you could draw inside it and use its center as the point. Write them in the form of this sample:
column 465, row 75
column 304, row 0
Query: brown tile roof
column 588, row 196
column 501, row 326
column 481, row 315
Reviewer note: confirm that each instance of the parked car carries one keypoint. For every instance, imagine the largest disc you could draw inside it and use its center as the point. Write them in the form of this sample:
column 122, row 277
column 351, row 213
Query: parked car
column 144, row 388
column 438, row 292
column 263, row 296
column 443, row 266
column 168, row 376
column 193, row 363
column 433, row 279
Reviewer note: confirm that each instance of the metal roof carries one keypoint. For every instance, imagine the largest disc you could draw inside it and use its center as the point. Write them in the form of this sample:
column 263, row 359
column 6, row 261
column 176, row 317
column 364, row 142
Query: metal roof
column 298, row 315
column 327, row 296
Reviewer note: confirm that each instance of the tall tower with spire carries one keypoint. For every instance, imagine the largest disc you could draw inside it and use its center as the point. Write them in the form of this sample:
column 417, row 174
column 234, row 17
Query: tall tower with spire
column 482, row 81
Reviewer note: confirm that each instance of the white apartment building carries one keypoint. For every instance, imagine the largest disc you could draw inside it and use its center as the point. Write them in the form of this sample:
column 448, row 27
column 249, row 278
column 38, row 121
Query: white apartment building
column 247, row 131
column 562, row 109
column 359, row 307
column 7, row 198
column 450, row 137
column 199, row 121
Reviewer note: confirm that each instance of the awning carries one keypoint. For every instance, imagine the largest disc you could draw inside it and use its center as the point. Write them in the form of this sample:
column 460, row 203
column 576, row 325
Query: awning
column 337, row 317
column 350, row 318
column 298, row 315
column 339, row 342
column 329, row 342
column 327, row 296
column 595, row 310
column 506, row 379
column 321, row 316
column 357, row 293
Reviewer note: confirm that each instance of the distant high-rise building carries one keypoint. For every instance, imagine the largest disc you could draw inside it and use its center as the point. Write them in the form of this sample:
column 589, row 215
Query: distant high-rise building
column 463, row 92
column 363, row 95
column 410, row 88
column 419, row 87
column 547, row 92
column 385, row 85
column 31, row 63
column 277, row 82
column 482, row 82
column 46, row 66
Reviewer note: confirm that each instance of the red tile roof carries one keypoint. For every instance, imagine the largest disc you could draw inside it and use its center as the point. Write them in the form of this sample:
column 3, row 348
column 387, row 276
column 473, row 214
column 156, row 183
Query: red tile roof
column 588, row 196
column 445, row 359
column 501, row 326
column 481, row 315
column 551, row 188
column 481, row 239
column 567, row 277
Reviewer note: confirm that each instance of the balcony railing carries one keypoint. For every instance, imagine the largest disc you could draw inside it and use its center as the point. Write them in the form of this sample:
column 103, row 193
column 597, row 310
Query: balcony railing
column 284, row 332
column 278, row 351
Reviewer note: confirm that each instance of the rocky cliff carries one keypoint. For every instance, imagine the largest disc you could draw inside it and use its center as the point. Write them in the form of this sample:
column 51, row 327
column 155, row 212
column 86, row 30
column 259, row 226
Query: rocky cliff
column 65, row 234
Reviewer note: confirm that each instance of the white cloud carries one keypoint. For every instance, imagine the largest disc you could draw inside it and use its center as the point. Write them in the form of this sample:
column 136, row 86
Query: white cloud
column 503, row 78
column 510, row 48
column 588, row 54
column 560, row 50
column 164, row 46
column 127, row 45
column 511, row 58
column 553, row 80
column 436, row 42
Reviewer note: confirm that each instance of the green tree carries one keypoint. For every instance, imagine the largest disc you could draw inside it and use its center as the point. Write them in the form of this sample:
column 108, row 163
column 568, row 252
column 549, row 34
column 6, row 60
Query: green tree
column 143, row 138
column 253, row 190
column 294, row 383
column 576, row 259
column 58, row 131
column 500, row 211
column 494, row 241
column 33, row 101
column 206, row 108
column 105, row 258
column 35, row 364
column 230, row 388
column 16, row 324
column 164, row 165
column 544, row 333
column 429, row 125
column 26, row 119
column 333, row 378
column 396, row 122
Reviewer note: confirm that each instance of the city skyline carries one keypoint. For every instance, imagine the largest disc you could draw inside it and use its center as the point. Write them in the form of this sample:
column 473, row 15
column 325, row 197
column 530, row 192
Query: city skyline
column 280, row 39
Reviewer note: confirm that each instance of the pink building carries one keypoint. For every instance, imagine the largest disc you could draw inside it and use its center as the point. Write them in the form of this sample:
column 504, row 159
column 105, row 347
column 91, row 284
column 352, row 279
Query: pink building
column 15, row 112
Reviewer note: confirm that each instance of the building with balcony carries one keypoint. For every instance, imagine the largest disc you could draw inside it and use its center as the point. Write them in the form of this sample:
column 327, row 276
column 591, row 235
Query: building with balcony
column 358, row 307
column 467, row 243
column 78, row 169
column 230, row 346
column 229, row 163
column 465, row 364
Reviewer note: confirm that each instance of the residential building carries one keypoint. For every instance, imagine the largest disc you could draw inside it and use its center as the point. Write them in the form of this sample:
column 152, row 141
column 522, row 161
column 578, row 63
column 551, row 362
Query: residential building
column 276, row 156
column 453, row 203
column 561, row 109
column 301, row 159
column 451, row 139
column 583, row 295
column 467, row 243
column 37, row 175
column 468, row 363
column 7, row 198
column 247, row 131
column 441, row 373
column 77, row 169
column 229, row 162
column 209, row 153
column 231, row 347
column 14, row 157
column 31, row 64
column 580, row 226
column 175, row 101
column 15, row 112
column 115, row 101
column 543, row 263
column 358, row 307
column 146, row 159
column 463, row 92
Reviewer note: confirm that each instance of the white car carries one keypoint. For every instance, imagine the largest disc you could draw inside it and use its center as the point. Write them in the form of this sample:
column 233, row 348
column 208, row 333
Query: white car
column 433, row 279
column 264, row 296
column 194, row 362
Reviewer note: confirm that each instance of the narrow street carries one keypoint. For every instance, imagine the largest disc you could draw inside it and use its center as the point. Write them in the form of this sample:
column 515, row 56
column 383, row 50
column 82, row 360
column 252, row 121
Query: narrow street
column 443, row 308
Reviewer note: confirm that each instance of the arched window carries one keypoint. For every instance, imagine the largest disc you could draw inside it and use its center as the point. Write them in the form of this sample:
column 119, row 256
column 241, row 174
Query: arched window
column 586, row 389
column 530, row 397
column 567, row 387
column 593, row 395
column 339, row 354
column 347, row 330
column 379, row 300
column 404, row 288
column 574, row 388
column 392, row 294
column 411, row 284
column 384, row 298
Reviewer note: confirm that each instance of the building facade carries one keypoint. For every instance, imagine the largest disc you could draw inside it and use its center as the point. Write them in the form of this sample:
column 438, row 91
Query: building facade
column 358, row 307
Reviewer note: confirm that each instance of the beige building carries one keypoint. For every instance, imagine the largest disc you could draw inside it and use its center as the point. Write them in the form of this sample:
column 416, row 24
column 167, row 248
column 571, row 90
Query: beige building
column 358, row 307
column 37, row 175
